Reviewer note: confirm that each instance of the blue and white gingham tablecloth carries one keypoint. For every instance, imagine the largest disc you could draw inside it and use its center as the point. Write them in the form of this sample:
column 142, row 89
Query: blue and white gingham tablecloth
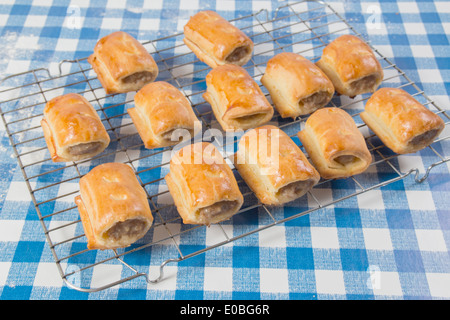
column 392, row 242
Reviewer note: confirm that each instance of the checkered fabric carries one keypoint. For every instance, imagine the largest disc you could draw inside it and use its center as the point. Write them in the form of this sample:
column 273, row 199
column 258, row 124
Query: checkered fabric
column 378, row 235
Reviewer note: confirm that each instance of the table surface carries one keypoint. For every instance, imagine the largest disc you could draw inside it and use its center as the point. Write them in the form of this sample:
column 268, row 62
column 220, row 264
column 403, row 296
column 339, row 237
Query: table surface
column 391, row 242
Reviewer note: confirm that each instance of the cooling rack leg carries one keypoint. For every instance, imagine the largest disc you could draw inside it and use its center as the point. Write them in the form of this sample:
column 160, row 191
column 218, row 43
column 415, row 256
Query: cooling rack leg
column 425, row 176
column 161, row 271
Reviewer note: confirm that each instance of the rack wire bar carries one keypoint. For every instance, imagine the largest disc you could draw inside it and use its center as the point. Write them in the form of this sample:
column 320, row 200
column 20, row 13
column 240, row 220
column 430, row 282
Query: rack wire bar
column 304, row 27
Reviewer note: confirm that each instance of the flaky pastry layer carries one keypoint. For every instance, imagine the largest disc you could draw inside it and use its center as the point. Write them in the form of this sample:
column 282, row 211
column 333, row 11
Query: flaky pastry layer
column 402, row 123
column 72, row 129
column 334, row 144
column 273, row 166
column 351, row 65
column 236, row 99
column 162, row 115
column 202, row 185
column 122, row 64
column 215, row 41
column 113, row 207
column 296, row 85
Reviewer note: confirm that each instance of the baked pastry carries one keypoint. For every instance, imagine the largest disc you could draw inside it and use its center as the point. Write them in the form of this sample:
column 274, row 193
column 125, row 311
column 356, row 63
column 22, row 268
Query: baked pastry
column 72, row 129
column 122, row 63
column 273, row 166
column 402, row 123
column 202, row 185
column 215, row 41
column 296, row 85
column 334, row 144
column 236, row 99
column 113, row 207
column 161, row 109
column 351, row 65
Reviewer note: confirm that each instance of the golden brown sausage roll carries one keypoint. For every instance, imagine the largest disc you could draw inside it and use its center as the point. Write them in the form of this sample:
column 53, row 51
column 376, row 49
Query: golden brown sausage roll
column 122, row 63
column 236, row 99
column 215, row 41
column 334, row 144
column 113, row 207
column 160, row 110
column 72, row 129
column 297, row 86
column 351, row 65
column 400, row 121
column 273, row 166
column 202, row 185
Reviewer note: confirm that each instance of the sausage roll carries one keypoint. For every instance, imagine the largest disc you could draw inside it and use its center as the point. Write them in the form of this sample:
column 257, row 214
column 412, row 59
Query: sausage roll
column 122, row 63
column 351, row 65
column 297, row 86
column 335, row 145
column 400, row 121
column 72, row 129
column 273, row 166
column 215, row 41
column 202, row 185
column 160, row 110
column 236, row 99
column 113, row 207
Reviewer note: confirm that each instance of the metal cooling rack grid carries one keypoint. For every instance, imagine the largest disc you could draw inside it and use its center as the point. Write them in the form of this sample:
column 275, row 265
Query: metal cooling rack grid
column 304, row 27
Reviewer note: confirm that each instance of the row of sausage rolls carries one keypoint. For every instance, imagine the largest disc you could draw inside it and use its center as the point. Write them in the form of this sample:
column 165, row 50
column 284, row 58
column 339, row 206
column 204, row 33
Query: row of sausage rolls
column 204, row 187
column 347, row 61
column 273, row 166
column 296, row 85
column 207, row 192
column 276, row 169
column 163, row 117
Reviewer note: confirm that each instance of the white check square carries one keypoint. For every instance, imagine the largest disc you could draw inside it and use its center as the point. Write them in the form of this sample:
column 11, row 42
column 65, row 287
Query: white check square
column 415, row 28
column 330, row 282
column 4, row 271
column 225, row 5
column 11, row 230
column 218, row 279
column 273, row 237
column 439, row 284
column 385, row 283
column 431, row 240
column 66, row 45
column 105, row 274
column 111, row 23
column 34, row 21
column 149, row 24
column 324, row 237
column 371, row 200
column 47, row 275
column 274, row 280
column 430, row 76
column 420, row 200
column 408, row 7
column 377, row 239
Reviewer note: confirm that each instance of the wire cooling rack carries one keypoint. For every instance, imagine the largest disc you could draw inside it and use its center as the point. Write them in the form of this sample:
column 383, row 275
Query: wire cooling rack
column 304, row 27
